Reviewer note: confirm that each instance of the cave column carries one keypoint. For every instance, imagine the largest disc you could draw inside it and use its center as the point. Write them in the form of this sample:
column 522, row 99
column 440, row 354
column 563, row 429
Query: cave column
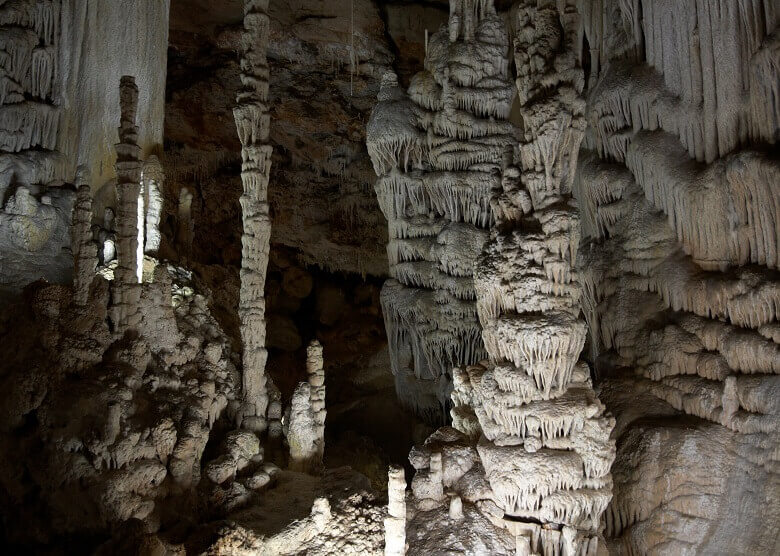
column 546, row 447
column 252, row 122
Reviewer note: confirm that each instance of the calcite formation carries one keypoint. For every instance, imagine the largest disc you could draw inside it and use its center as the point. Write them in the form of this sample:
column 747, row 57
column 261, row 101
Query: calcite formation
column 128, row 274
column 588, row 232
column 85, row 259
column 438, row 151
column 306, row 429
column 395, row 522
column 253, row 122
column 61, row 60
column 153, row 182
column 681, row 287
column 540, row 469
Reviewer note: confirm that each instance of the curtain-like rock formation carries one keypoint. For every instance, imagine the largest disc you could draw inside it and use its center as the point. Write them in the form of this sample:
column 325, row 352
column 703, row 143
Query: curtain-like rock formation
column 253, row 123
column 438, row 151
column 680, row 205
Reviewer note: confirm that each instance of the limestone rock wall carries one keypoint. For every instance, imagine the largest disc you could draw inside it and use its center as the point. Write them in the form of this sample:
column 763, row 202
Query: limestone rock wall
column 679, row 192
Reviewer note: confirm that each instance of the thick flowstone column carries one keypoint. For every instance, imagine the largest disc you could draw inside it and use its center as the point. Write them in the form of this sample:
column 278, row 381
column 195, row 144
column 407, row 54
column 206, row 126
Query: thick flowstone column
column 545, row 442
column 127, row 289
column 438, row 151
column 252, row 122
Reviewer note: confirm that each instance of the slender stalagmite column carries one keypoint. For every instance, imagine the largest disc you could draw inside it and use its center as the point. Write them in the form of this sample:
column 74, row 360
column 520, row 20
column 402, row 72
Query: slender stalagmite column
column 127, row 290
column 84, row 249
column 306, row 430
column 395, row 522
column 252, row 122
column 315, row 369
column 546, row 445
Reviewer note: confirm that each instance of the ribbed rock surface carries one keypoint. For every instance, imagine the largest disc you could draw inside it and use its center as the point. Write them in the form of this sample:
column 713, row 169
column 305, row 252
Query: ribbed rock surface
column 680, row 266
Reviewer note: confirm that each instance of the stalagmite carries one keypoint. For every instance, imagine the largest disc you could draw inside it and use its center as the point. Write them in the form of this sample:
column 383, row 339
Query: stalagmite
column 306, row 428
column 253, row 122
column 84, row 248
column 127, row 291
column 438, row 150
column 395, row 522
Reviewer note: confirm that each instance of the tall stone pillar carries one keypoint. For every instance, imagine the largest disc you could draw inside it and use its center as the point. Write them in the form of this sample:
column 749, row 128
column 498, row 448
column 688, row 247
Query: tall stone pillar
column 252, row 123
column 127, row 289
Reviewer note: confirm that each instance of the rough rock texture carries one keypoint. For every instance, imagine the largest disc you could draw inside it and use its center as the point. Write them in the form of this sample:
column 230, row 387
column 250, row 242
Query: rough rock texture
column 532, row 452
column 123, row 398
column 438, row 151
column 680, row 213
column 104, row 428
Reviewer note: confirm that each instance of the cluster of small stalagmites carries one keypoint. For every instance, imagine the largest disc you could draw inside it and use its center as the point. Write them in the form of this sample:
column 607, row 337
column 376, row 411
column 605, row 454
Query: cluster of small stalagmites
column 438, row 151
column 126, row 420
column 306, row 421
column 545, row 443
column 253, row 123
column 680, row 276
column 126, row 287
column 85, row 251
